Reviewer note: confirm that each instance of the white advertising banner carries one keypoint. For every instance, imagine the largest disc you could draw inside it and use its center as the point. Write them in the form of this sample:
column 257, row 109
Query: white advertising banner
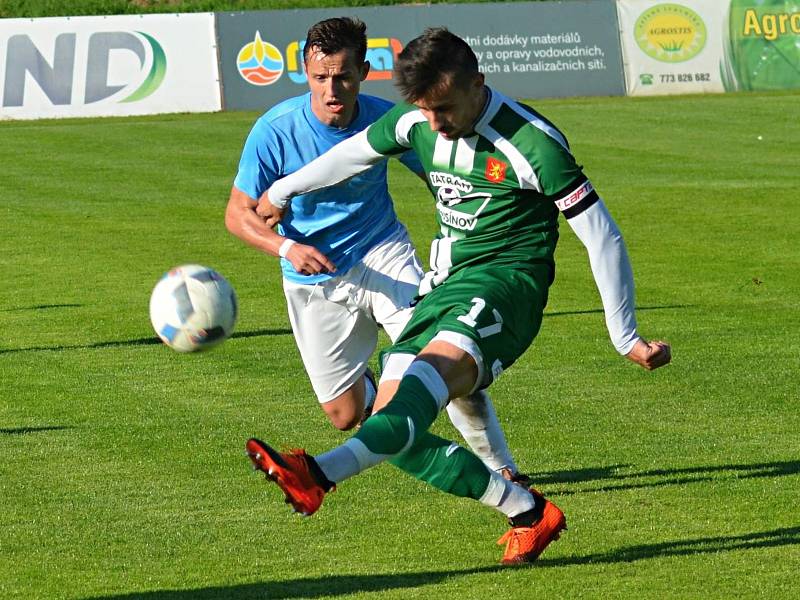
column 672, row 47
column 108, row 66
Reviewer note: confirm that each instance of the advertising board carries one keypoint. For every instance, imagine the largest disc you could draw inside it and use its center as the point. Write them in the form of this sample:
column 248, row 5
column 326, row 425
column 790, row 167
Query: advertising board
column 526, row 49
column 697, row 46
column 103, row 66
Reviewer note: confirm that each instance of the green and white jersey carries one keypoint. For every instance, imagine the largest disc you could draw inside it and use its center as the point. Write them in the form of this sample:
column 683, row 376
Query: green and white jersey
column 498, row 191
column 498, row 194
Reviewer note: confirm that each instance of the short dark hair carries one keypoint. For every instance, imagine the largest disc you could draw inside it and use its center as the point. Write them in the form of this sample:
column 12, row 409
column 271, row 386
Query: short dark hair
column 334, row 35
column 428, row 61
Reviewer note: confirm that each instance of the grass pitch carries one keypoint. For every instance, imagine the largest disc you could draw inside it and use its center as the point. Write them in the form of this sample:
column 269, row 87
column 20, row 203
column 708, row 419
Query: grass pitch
column 122, row 471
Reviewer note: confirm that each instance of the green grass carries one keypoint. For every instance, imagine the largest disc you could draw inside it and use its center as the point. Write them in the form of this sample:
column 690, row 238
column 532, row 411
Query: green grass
column 122, row 471
column 65, row 8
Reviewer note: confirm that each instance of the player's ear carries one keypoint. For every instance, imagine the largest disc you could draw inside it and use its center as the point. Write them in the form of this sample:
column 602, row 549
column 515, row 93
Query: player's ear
column 365, row 70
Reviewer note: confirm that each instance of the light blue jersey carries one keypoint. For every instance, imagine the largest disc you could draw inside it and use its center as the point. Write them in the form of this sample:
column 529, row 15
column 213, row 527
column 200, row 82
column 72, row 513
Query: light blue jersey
column 343, row 222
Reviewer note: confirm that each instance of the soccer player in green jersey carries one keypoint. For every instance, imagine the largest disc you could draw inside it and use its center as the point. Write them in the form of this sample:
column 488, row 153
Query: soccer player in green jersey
column 500, row 174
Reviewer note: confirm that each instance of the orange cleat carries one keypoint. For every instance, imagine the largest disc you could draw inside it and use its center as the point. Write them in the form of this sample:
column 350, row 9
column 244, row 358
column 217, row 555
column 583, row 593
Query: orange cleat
column 532, row 531
column 295, row 472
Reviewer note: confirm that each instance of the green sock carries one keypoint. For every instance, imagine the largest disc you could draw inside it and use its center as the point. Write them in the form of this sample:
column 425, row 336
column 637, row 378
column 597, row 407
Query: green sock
column 399, row 432
column 445, row 465
column 388, row 431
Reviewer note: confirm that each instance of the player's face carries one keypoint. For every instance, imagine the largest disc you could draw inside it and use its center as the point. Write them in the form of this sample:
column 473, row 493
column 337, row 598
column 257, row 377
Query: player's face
column 334, row 80
column 452, row 109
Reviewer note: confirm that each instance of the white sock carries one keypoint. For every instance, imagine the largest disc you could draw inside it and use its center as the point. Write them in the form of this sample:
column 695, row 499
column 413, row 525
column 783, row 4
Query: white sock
column 338, row 464
column 349, row 459
column 476, row 421
column 507, row 497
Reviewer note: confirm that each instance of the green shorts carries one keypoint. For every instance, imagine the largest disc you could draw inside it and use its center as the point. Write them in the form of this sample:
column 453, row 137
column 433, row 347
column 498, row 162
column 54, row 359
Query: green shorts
column 497, row 308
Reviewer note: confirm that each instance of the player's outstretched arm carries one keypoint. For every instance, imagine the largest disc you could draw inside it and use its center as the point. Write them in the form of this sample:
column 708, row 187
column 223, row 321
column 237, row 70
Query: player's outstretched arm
column 611, row 269
column 345, row 160
column 613, row 275
column 242, row 221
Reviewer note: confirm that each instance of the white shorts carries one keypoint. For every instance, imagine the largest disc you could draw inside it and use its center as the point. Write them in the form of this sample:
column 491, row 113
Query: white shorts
column 335, row 322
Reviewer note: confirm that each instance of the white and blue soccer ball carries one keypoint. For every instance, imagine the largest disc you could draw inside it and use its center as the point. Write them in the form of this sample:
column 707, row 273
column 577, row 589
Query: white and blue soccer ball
column 193, row 308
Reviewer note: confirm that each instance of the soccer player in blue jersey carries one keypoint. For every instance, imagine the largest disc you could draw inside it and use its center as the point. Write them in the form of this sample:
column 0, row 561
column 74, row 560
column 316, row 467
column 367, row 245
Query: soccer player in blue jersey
column 348, row 264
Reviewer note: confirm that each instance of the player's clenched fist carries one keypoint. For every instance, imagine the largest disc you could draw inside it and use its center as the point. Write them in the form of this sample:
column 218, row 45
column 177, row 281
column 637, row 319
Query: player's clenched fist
column 271, row 214
column 651, row 355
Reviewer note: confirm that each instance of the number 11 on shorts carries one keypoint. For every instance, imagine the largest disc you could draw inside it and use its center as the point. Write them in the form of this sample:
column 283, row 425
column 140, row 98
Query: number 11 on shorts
column 471, row 318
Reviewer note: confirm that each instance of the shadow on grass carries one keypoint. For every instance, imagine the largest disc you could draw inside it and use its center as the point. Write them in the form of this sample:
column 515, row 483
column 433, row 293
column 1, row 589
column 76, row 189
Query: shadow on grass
column 243, row 334
column 664, row 477
column 600, row 311
column 147, row 341
column 40, row 307
column 309, row 587
column 27, row 430
column 338, row 585
column 788, row 536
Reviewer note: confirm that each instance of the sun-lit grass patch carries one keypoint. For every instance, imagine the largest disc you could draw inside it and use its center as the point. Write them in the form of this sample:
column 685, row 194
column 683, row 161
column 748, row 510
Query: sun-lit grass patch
column 122, row 471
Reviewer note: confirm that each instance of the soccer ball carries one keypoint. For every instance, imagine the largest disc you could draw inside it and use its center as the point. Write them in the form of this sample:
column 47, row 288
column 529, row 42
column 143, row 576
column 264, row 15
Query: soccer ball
column 193, row 308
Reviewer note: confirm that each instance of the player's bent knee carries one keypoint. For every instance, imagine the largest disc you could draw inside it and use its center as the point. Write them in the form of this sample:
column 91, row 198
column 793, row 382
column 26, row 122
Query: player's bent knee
column 343, row 418
column 345, row 411
column 343, row 423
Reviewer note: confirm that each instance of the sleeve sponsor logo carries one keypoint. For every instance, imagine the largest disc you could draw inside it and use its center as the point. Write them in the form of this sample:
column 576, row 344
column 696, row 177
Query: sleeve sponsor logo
column 575, row 197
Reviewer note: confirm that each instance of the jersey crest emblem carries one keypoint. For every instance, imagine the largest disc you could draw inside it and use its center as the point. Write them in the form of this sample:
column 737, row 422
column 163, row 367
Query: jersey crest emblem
column 495, row 170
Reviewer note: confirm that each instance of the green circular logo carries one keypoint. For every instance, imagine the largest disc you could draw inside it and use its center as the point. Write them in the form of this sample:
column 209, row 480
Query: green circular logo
column 670, row 33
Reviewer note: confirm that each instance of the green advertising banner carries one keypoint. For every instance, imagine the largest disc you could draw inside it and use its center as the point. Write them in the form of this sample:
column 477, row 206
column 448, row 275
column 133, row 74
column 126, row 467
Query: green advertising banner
column 762, row 45
column 697, row 46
